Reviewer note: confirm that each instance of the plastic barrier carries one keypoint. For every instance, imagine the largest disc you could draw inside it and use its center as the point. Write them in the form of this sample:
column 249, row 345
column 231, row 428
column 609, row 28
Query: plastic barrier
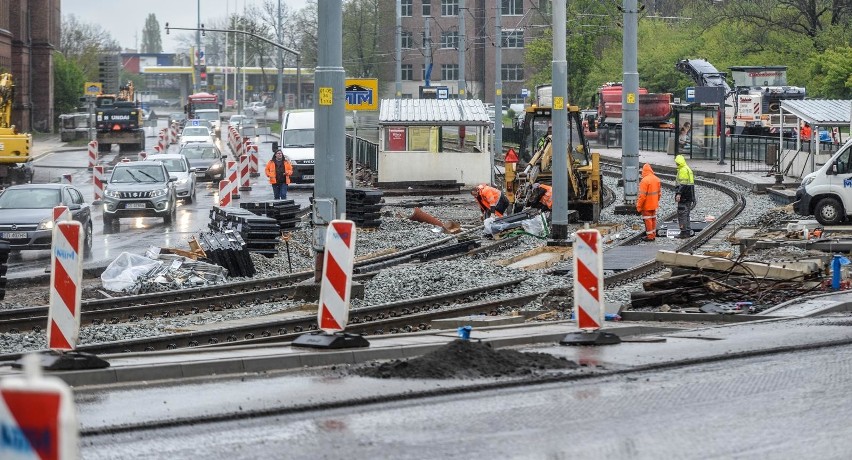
column 61, row 214
column 93, row 154
column 142, row 155
column 66, row 277
column 254, row 161
column 244, row 173
column 224, row 192
column 588, row 280
column 234, row 178
column 98, row 179
column 336, row 285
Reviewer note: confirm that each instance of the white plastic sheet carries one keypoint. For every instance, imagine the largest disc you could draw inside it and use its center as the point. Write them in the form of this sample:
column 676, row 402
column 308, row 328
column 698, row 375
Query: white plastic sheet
column 122, row 274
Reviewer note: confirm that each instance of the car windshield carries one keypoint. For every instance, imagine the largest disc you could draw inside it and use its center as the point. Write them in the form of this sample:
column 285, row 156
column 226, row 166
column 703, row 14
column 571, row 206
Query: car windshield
column 174, row 165
column 249, row 122
column 200, row 153
column 195, row 131
column 207, row 115
column 298, row 138
column 235, row 119
column 140, row 173
column 30, row 198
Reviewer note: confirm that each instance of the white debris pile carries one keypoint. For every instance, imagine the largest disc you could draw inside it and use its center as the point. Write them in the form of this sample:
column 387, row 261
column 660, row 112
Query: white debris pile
column 136, row 274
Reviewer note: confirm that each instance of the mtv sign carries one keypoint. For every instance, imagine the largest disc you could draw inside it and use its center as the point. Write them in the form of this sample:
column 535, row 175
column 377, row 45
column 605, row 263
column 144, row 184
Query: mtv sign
column 362, row 94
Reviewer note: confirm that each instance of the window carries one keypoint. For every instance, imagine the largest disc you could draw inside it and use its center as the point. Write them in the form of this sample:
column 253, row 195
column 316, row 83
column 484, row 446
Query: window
column 407, row 40
column 407, row 72
column 513, row 39
column 449, row 7
column 449, row 72
column 512, row 72
column 427, row 8
column 449, row 40
column 512, row 7
column 407, row 8
column 842, row 165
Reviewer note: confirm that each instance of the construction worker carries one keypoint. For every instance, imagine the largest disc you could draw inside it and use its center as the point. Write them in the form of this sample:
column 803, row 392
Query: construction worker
column 543, row 139
column 278, row 170
column 648, row 201
column 684, row 196
column 490, row 200
column 541, row 197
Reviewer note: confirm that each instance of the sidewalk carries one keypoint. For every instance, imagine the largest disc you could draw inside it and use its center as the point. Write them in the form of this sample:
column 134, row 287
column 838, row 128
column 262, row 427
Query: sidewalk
column 49, row 143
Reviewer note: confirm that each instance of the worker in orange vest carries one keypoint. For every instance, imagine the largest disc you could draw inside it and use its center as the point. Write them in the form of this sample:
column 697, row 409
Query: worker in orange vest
column 541, row 197
column 806, row 132
column 648, row 201
column 279, row 170
column 490, row 200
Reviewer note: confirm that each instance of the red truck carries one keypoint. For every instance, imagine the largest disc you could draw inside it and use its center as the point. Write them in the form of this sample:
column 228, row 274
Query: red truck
column 654, row 108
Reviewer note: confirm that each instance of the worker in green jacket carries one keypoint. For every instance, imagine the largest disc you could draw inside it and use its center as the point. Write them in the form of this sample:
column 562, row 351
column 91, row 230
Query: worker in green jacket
column 684, row 195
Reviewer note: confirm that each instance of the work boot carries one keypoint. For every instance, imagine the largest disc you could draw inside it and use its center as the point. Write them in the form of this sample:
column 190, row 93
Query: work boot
column 685, row 234
column 645, row 238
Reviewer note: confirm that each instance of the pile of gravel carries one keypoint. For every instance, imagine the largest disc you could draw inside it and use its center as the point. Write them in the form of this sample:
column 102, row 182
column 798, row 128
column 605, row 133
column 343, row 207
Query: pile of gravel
column 465, row 359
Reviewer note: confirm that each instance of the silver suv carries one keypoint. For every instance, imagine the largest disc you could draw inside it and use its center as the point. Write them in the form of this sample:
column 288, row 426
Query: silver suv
column 139, row 189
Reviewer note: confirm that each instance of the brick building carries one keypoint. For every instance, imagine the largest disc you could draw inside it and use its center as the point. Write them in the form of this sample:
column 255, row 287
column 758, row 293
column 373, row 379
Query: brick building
column 29, row 33
column 520, row 20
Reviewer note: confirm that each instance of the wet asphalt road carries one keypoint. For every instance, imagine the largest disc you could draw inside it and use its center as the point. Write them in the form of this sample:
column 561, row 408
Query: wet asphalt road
column 792, row 405
column 136, row 235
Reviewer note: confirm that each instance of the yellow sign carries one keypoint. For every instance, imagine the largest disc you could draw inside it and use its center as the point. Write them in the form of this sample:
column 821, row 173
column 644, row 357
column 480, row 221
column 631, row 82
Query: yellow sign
column 362, row 94
column 498, row 92
column 631, row 98
column 326, row 95
column 558, row 103
column 709, row 121
column 461, row 91
column 93, row 88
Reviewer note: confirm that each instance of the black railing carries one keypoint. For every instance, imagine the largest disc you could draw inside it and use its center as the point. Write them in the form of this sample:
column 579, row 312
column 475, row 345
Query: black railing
column 650, row 139
column 368, row 152
column 761, row 153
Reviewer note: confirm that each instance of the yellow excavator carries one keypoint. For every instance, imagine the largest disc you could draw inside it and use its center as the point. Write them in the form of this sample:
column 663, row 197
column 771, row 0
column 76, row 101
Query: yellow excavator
column 15, row 161
column 536, row 159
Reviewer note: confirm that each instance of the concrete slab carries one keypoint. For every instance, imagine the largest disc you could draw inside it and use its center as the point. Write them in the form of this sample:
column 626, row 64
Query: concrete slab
column 476, row 321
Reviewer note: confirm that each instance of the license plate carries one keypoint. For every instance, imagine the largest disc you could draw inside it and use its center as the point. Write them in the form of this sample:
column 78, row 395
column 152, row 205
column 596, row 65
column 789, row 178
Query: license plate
column 135, row 206
column 308, row 177
column 13, row 235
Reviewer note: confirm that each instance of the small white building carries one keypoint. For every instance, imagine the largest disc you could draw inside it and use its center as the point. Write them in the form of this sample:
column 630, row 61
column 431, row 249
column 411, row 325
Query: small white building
column 411, row 145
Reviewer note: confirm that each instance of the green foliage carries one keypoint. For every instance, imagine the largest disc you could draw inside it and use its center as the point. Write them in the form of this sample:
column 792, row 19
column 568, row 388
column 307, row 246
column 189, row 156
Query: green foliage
column 68, row 81
column 151, row 40
column 831, row 73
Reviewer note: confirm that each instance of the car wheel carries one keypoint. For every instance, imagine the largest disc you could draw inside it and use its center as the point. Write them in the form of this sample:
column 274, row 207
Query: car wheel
column 190, row 198
column 170, row 217
column 108, row 220
column 88, row 238
column 828, row 211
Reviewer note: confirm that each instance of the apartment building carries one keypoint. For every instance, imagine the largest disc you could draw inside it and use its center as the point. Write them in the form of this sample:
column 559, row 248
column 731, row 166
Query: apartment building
column 430, row 33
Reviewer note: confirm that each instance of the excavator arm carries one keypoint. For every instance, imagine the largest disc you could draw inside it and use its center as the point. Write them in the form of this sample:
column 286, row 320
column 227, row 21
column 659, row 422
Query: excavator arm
column 7, row 97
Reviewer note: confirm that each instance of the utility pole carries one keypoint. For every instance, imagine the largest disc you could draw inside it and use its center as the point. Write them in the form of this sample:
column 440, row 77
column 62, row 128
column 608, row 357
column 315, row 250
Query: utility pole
column 427, row 45
column 498, row 84
column 329, row 119
column 630, row 110
column 462, row 45
column 559, row 120
column 280, row 105
column 197, row 68
column 398, row 85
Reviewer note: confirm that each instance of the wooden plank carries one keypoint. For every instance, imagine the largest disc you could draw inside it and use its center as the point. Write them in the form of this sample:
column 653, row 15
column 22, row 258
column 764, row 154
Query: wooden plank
column 538, row 258
column 787, row 271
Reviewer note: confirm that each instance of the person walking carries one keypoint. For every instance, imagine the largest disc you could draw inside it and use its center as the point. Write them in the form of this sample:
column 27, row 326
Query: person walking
column 279, row 170
column 648, row 201
column 541, row 197
column 490, row 200
column 684, row 196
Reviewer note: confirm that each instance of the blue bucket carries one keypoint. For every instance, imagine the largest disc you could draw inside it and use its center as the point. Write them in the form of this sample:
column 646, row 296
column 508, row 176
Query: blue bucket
column 464, row 332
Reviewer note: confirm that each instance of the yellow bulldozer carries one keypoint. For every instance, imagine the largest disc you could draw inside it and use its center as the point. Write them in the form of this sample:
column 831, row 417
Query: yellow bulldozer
column 15, row 164
column 536, row 159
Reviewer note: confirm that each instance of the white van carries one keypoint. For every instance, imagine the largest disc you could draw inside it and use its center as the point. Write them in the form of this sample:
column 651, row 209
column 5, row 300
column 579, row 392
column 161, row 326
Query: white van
column 827, row 192
column 297, row 143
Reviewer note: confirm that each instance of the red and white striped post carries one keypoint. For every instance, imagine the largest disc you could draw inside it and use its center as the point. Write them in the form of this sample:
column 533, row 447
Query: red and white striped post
column 161, row 141
column 224, row 192
column 142, row 155
column 157, row 149
column 125, row 160
column 245, row 185
column 66, row 277
column 254, row 162
column 93, row 154
column 173, row 132
column 336, row 285
column 66, row 178
column 589, row 291
column 61, row 214
column 98, row 179
column 234, row 178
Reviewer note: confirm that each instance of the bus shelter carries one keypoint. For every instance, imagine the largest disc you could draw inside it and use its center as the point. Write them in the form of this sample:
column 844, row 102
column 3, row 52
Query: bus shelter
column 422, row 140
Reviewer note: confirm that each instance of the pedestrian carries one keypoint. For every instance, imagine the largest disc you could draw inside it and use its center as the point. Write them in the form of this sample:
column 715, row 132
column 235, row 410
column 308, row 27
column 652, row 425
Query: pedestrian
column 541, row 197
column 279, row 170
column 806, row 132
column 491, row 200
column 684, row 196
column 648, row 201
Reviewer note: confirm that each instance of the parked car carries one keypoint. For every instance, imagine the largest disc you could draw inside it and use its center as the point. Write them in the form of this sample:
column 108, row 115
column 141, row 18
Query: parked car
column 235, row 120
column 206, row 160
column 195, row 134
column 179, row 168
column 256, row 108
column 26, row 214
column 139, row 189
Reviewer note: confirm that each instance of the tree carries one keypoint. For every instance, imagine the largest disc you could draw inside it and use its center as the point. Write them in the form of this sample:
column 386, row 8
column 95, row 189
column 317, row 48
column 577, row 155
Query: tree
column 361, row 37
column 83, row 43
column 68, row 81
column 151, row 40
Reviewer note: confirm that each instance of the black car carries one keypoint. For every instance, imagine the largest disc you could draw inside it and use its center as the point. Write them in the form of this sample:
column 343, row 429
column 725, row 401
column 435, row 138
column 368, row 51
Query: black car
column 206, row 160
column 26, row 214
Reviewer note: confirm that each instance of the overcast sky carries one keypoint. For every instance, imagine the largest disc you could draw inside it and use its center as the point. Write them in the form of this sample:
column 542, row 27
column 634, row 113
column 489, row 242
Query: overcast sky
column 125, row 19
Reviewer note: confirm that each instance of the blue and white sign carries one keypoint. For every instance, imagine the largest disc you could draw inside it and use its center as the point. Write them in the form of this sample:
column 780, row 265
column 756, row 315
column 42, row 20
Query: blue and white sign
column 690, row 94
column 525, row 92
column 194, row 122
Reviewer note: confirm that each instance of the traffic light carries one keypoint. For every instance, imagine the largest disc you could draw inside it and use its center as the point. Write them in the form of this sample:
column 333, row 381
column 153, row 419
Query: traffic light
column 202, row 73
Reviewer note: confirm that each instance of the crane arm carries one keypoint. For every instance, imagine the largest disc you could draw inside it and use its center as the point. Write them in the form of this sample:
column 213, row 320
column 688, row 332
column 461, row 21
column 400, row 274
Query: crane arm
column 7, row 97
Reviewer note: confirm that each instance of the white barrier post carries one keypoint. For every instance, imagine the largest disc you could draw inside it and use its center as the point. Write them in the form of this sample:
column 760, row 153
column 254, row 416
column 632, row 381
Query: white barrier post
column 66, row 277
column 234, row 179
column 224, row 192
column 589, row 291
column 142, row 155
column 254, row 162
column 98, row 179
column 157, row 149
column 245, row 185
column 61, row 214
column 66, row 178
column 93, row 154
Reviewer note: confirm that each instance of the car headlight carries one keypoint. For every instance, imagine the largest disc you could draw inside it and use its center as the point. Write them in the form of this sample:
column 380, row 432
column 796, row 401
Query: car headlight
column 111, row 193
column 46, row 224
column 159, row 192
column 807, row 181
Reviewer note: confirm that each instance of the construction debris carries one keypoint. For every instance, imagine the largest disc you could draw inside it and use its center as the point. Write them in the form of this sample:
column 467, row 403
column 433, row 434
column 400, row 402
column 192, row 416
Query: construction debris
column 227, row 249
column 157, row 272
column 778, row 271
column 420, row 215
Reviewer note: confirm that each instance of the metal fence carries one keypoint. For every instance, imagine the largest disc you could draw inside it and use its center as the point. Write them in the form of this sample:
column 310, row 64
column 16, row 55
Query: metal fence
column 761, row 153
column 650, row 139
column 368, row 152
